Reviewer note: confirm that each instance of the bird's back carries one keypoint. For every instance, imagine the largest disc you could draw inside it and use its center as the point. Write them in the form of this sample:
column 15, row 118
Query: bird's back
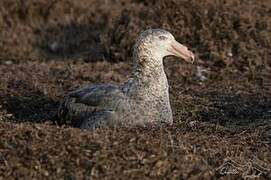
column 92, row 106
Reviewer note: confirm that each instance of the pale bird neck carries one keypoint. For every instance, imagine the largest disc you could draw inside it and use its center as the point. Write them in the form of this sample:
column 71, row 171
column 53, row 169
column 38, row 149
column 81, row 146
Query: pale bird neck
column 147, row 63
column 148, row 75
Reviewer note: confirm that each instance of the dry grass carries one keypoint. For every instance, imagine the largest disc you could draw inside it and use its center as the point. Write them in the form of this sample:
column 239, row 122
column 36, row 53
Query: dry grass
column 221, row 124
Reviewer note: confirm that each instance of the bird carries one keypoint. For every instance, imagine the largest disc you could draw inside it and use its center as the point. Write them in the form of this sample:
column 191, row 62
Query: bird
column 143, row 99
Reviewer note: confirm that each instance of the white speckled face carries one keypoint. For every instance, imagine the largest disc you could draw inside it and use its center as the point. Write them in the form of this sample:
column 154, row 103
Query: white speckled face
column 162, row 43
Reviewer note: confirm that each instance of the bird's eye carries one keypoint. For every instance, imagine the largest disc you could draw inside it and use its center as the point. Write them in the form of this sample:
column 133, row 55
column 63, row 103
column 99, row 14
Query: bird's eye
column 162, row 37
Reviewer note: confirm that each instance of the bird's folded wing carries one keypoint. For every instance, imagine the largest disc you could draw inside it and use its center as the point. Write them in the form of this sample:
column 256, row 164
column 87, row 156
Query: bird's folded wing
column 99, row 95
column 81, row 103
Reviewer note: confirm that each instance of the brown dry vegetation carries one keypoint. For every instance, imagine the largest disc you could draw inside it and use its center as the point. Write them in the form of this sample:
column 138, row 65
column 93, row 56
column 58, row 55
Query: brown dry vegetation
column 222, row 124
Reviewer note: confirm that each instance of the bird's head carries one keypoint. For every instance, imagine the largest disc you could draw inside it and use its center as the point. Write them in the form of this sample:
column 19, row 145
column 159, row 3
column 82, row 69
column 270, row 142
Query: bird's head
column 160, row 43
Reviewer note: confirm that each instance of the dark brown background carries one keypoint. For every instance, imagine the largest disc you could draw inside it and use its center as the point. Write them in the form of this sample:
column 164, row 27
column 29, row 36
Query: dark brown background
column 222, row 124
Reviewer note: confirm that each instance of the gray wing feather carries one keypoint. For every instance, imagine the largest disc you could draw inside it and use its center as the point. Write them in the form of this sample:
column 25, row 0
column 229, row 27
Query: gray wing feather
column 100, row 95
column 92, row 102
column 98, row 119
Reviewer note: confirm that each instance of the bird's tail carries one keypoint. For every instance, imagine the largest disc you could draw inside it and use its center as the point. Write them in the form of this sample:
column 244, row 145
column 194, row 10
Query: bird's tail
column 60, row 117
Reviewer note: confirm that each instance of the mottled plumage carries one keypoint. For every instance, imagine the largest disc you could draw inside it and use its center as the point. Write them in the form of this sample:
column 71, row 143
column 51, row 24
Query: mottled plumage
column 143, row 99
